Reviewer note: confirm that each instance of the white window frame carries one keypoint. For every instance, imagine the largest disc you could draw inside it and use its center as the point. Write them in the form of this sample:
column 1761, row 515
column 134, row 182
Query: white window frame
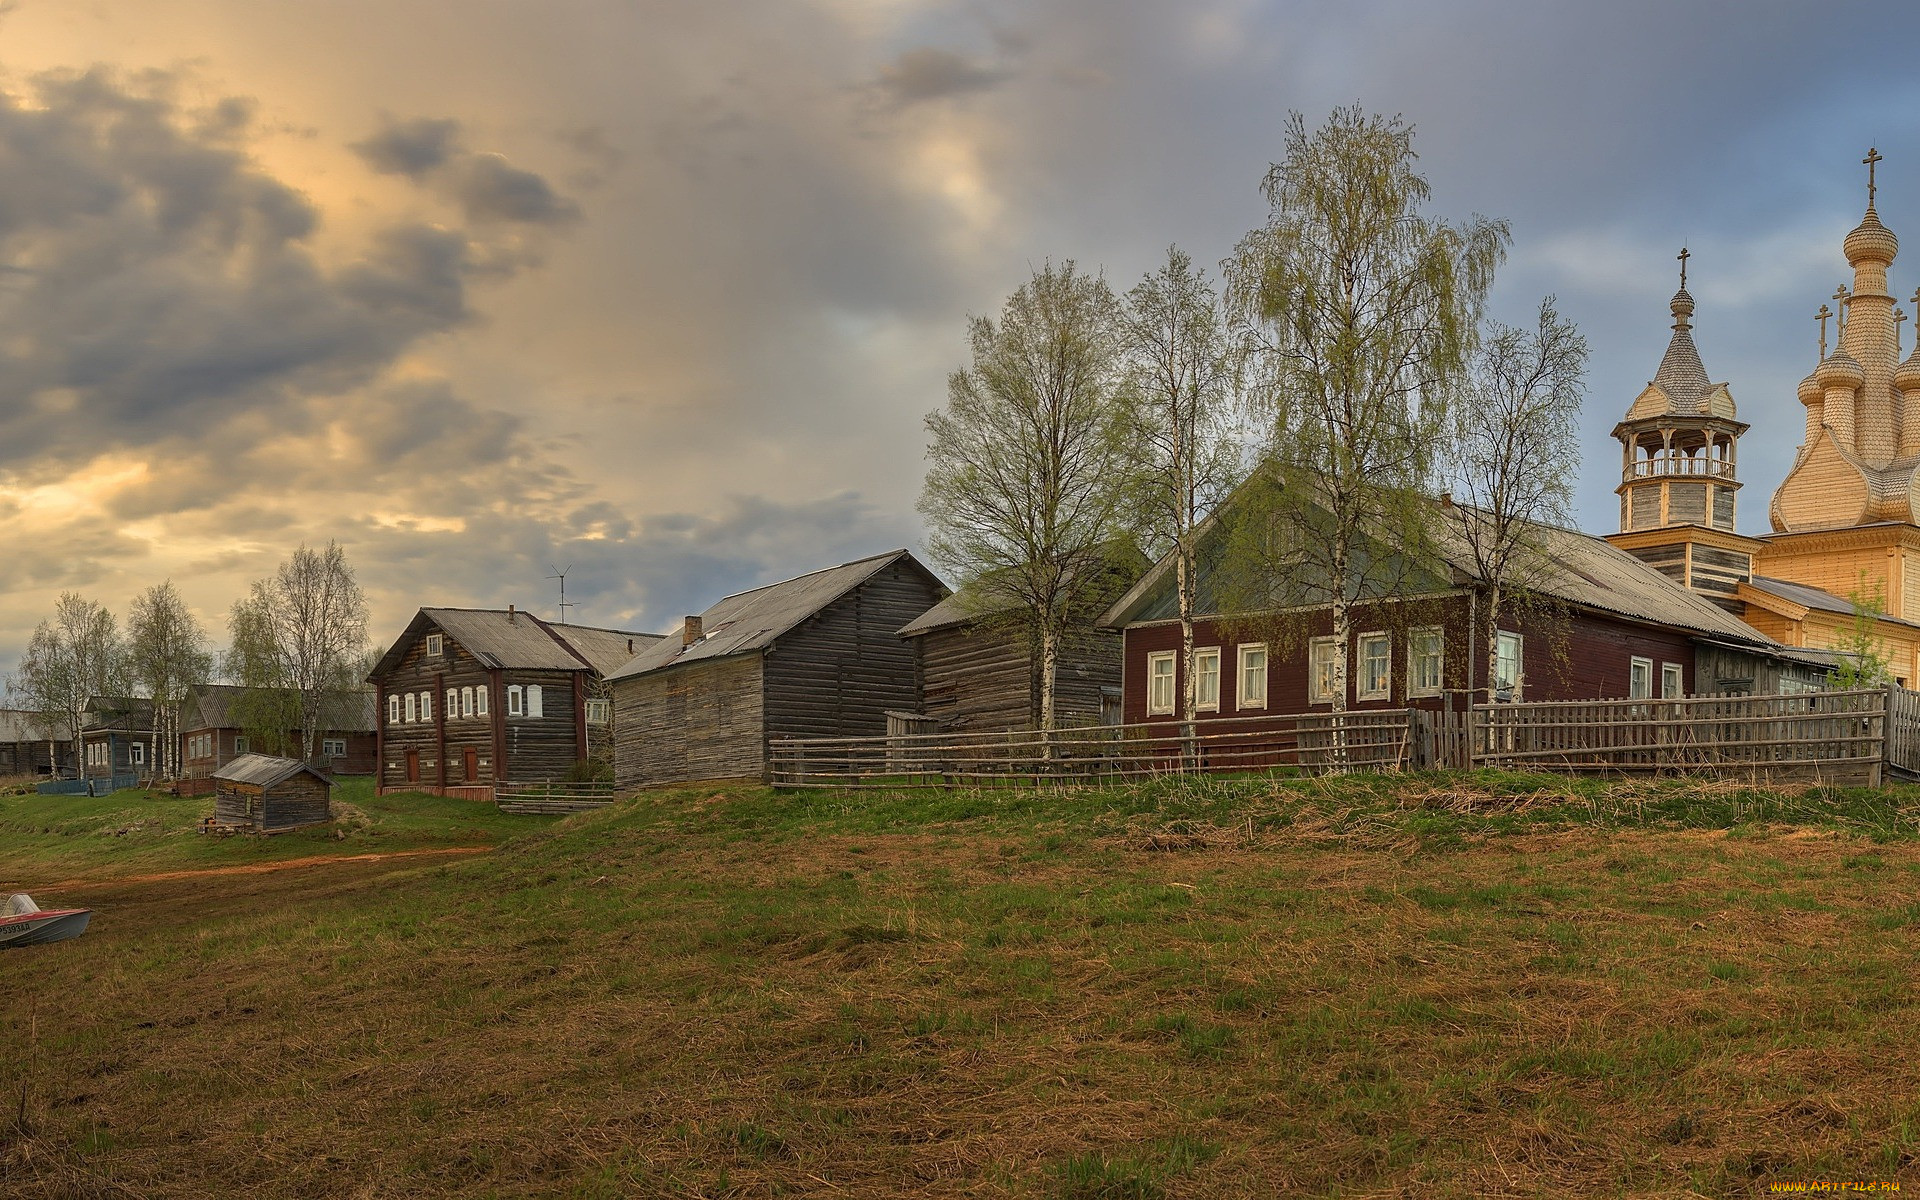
column 453, row 703
column 1202, row 656
column 1673, row 681
column 516, row 702
column 436, row 645
column 413, row 708
column 333, row 747
column 1438, row 658
column 1364, row 688
column 426, row 707
column 1639, row 678
column 466, row 702
column 599, row 712
column 393, row 709
column 1245, row 676
column 137, row 753
column 1156, row 705
column 1501, row 639
column 480, row 695
column 1316, row 649
column 535, row 709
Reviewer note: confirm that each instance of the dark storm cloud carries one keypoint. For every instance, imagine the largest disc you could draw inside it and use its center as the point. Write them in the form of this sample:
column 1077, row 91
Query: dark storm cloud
column 930, row 73
column 411, row 148
column 485, row 186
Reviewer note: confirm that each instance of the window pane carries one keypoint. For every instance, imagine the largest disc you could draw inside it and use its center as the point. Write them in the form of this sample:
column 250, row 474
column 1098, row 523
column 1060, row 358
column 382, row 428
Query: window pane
column 1160, row 682
column 1253, row 676
column 1206, row 665
column 480, row 702
column 533, row 701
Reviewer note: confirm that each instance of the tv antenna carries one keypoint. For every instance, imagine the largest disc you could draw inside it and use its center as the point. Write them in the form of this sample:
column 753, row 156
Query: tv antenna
column 565, row 604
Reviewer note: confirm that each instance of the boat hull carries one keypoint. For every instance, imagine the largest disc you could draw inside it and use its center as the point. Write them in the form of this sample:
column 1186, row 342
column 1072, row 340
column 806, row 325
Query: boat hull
column 36, row 929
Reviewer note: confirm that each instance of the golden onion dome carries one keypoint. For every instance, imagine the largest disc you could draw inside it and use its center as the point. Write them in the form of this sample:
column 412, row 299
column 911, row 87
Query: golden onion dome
column 1907, row 376
column 1871, row 241
column 1840, row 370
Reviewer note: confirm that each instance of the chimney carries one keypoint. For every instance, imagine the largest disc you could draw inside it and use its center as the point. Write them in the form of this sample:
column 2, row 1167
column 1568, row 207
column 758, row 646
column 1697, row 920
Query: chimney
column 690, row 633
column 511, row 616
column 629, row 645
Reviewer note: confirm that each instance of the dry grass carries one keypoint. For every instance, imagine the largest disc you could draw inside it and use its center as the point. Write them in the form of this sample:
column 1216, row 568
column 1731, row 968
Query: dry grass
column 682, row 999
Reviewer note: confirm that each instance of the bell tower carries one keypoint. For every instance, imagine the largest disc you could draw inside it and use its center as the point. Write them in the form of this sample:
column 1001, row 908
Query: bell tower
column 1679, row 477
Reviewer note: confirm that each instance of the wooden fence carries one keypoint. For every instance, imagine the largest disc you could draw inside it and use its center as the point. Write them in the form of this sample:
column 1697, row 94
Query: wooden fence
column 560, row 798
column 1837, row 736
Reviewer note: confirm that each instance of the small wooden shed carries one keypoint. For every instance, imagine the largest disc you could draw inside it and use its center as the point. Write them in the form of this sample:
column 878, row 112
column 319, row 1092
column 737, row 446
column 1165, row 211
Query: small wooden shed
column 272, row 795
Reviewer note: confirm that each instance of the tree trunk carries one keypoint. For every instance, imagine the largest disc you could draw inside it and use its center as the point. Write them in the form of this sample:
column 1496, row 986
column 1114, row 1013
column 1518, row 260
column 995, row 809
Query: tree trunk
column 1493, row 644
column 1049, row 656
column 1189, row 691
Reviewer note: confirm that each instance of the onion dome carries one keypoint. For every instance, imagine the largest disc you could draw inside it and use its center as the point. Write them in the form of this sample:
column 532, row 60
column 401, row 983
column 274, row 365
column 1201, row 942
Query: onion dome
column 1840, row 370
column 1871, row 241
column 1907, row 376
column 1810, row 390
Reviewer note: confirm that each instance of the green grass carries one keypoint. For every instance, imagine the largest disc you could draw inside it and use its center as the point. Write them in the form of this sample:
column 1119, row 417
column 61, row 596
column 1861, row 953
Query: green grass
column 1457, row 985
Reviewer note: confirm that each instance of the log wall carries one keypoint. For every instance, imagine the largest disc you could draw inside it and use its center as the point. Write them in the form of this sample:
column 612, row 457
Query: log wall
column 702, row 720
column 837, row 673
column 982, row 676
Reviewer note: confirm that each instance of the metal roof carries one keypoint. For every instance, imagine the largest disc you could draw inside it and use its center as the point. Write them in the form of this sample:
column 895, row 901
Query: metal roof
column 515, row 640
column 753, row 620
column 264, row 770
column 607, row 649
column 1812, row 597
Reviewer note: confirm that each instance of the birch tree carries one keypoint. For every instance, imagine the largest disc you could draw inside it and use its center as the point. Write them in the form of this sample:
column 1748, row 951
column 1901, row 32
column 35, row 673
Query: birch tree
column 1179, row 402
column 1364, row 310
column 71, row 658
column 166, row 655
column 1026, row 462
column 1512, row 458
column 301, row 632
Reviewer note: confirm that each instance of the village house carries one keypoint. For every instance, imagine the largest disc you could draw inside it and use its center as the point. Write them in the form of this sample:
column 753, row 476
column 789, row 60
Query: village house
column 469, row 699
column 977, row 672
column 116, row 740
column 214, row 731
column 820, row 655
column 26, row 748
column 267, row 794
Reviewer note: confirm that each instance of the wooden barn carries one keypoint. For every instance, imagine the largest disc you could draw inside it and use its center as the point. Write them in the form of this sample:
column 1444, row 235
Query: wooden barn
column 214, row 730
column 978, row 671
column 1612, row 627
column 819, row 655
column 469, row 698
column 25, row 748
column 270, row 795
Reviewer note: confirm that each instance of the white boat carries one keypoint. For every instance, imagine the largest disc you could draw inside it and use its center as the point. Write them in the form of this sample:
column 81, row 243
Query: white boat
column 24, row 923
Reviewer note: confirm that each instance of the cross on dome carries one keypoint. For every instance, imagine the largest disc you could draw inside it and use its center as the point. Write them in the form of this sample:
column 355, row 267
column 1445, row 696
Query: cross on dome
column 1872, row 160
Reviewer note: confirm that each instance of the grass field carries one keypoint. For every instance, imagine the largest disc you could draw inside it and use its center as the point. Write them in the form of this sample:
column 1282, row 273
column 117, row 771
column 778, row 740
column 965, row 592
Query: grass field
column 1463, row 985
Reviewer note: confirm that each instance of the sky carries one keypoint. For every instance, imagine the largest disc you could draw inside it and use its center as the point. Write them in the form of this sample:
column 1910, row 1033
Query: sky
column 660, row 293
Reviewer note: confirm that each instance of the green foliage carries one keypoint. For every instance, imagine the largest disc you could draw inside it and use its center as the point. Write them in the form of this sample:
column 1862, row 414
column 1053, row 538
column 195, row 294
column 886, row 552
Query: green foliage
column 1863, row 657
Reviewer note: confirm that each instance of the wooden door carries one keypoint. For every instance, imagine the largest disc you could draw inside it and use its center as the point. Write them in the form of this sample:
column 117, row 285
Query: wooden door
column 473, row 765
column 413, row 766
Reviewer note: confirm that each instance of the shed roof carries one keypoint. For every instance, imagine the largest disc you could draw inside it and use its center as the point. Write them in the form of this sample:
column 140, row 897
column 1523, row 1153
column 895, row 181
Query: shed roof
column 265, row 770
column 954, row 610
column 516, row 640
column 754, row 620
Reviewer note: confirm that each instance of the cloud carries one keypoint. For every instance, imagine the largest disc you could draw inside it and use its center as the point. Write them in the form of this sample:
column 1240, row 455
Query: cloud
column 412, row 148
column 487, row 188
column 929, row 73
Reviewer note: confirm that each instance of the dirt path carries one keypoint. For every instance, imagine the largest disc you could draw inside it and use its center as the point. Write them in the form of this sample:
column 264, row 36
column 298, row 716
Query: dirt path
column 261, row 868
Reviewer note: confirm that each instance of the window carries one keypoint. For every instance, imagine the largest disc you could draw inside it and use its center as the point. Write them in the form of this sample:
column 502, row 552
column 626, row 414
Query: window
column 453, row 703
column 1426, row 661
column 137, row 753
column 598, row 711
column 1672, row 681
column 1376, row 666
column 334, row 747
column 1639, row 678
column 426, row 706
column 533, row 701
column 1508, row 675
column 1253, row 675
column 393, row 710
column 466, row 702
column 1159, row 683
column 479, row 702
column 1323, row 667
column 240, row 745
column 411, row 703
column 1206, row 679
column 516, row 705
column 436, row 644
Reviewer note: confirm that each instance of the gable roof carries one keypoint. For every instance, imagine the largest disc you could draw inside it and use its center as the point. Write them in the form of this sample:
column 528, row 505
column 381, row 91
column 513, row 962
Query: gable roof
column 264, row 770
column 606, row 649
column 1587, row 571
column 210, row 706
column 511, row 639
column 754, row 620
column 132, row 713
column 1813, row 598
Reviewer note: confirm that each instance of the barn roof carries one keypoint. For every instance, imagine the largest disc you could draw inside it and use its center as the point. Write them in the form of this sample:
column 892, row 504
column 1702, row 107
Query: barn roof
column 19, row 725
column 264, row 770
column 754, row 620
column 516, row 640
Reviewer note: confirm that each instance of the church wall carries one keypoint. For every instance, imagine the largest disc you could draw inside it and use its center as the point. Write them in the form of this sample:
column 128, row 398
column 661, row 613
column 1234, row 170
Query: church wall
column 1836, row 571
column 1686, row 504
column 1781, row 629
column 1723, row 508
column 1909, row 605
